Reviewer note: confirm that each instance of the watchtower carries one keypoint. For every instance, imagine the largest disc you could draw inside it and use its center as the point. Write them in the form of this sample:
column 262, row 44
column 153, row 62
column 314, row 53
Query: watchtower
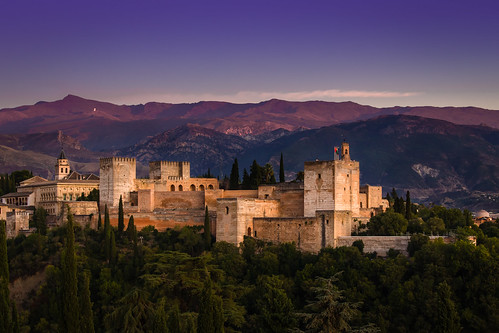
column 117, row 178
column 332, row 185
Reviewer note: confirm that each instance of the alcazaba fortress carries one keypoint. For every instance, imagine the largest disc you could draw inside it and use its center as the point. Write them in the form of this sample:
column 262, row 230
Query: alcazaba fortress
column 322, row 211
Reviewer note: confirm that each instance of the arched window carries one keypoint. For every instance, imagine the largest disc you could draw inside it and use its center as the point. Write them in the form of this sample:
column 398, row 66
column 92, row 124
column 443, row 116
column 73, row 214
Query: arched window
column 210, row 187
column 62, row 170
column 172, row 188
column 226, row 210
column 193, row 187
column 201, row 187
column 180, row 188
column 249, row 231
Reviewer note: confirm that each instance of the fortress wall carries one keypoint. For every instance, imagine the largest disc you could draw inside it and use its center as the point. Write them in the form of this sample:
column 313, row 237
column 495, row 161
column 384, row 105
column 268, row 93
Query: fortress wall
column 235, row 217
column 292, row 203
column 305, row 232
column 178, row 200
column 165, row 219
column 378, row 244
column 381, row 244
column 145, row 200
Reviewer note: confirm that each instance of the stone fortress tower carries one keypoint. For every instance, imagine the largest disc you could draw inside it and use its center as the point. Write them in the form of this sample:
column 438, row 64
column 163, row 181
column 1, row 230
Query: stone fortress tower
column 117, row 178
column 332, row 185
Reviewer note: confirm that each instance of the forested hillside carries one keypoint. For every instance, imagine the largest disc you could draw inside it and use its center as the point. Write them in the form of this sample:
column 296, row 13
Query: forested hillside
column 121, row 280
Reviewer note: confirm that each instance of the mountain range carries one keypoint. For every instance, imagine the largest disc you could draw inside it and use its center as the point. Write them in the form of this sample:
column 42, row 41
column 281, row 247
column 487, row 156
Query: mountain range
column 416, row 149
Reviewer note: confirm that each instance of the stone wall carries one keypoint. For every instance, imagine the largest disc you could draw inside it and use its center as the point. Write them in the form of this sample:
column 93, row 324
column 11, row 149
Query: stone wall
column 381, row 244
column 17, row 220
column 178, row 200
column 84, row 212
column 235, row 217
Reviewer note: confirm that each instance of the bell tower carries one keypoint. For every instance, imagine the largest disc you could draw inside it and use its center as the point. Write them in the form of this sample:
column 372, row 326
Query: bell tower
column 62, row 167
column 345, row 151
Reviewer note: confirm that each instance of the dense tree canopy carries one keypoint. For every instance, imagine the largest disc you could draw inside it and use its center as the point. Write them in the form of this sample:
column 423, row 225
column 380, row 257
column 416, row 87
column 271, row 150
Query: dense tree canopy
column 170, row 280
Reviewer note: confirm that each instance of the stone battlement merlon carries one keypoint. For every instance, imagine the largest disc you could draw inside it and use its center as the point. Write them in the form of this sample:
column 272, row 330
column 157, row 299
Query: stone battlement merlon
column 117, row 159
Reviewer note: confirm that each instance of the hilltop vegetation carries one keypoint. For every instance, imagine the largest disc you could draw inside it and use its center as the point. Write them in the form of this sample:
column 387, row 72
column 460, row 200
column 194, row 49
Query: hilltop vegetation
column 180, row 281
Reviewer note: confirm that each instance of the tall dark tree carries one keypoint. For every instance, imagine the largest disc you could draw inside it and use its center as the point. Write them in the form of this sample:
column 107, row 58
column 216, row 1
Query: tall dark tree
column 255, row 176
column 40, row 220
column 121, row 218
column 246, row 184
column 408, row 206
column 107, row 234
column 5, row 308
column 207, row 230
column 70, row 307
column 130, row 230
column 87, row 316
column 234, row 179
column 114, row 253
column 210, row 319
column 174, row 319
column 99, row 221
column 282, row 177
column 160, row 319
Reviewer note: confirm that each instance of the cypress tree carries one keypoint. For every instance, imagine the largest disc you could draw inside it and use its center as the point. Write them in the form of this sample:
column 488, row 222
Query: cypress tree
column 70, row 308
column 255, row 176
column 121, row 219
column 107, row 234
column 99, row 221
column 15, row 319
column 87, row 316
column 159, row 324
column 218, row 314
column 408, row 212
column 205, row 317
column 174, row 319
column 281, row 171
column 5, row 308
column 131, row 228
column 207, row 230
column 114, row 253
column 246, row 180
column 234, row 176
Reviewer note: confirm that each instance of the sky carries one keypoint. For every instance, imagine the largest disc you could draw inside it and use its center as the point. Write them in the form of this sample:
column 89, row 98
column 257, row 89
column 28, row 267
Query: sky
column 375, row 52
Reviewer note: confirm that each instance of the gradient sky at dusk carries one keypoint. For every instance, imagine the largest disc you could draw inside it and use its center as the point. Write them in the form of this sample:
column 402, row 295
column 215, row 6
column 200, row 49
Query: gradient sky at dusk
column 382, row 53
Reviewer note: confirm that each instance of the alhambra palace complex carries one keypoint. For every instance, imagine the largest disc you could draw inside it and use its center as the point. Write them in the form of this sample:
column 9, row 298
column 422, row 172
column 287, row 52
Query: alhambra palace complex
column 322, row 211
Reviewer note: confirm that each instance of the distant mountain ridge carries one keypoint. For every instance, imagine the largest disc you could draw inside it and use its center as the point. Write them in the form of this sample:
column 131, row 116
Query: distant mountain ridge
column 101, row 125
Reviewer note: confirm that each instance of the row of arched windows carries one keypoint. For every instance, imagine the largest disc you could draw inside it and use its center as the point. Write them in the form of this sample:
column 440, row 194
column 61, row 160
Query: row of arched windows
column 191, row 188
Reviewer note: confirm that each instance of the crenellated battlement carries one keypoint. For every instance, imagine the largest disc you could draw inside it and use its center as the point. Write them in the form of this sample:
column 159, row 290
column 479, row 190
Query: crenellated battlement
column 107, row 160
column 168, row 169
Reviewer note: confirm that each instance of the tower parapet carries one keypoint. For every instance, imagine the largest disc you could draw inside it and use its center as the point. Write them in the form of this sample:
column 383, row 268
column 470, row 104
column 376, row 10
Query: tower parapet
column 168, row 170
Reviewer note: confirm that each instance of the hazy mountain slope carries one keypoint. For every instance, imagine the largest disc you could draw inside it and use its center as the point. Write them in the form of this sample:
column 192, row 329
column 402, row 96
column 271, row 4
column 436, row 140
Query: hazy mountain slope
column 204, row 148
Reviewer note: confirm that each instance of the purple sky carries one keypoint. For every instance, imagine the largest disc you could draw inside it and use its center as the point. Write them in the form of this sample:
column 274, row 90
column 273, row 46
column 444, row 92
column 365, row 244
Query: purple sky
column 382, row 53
